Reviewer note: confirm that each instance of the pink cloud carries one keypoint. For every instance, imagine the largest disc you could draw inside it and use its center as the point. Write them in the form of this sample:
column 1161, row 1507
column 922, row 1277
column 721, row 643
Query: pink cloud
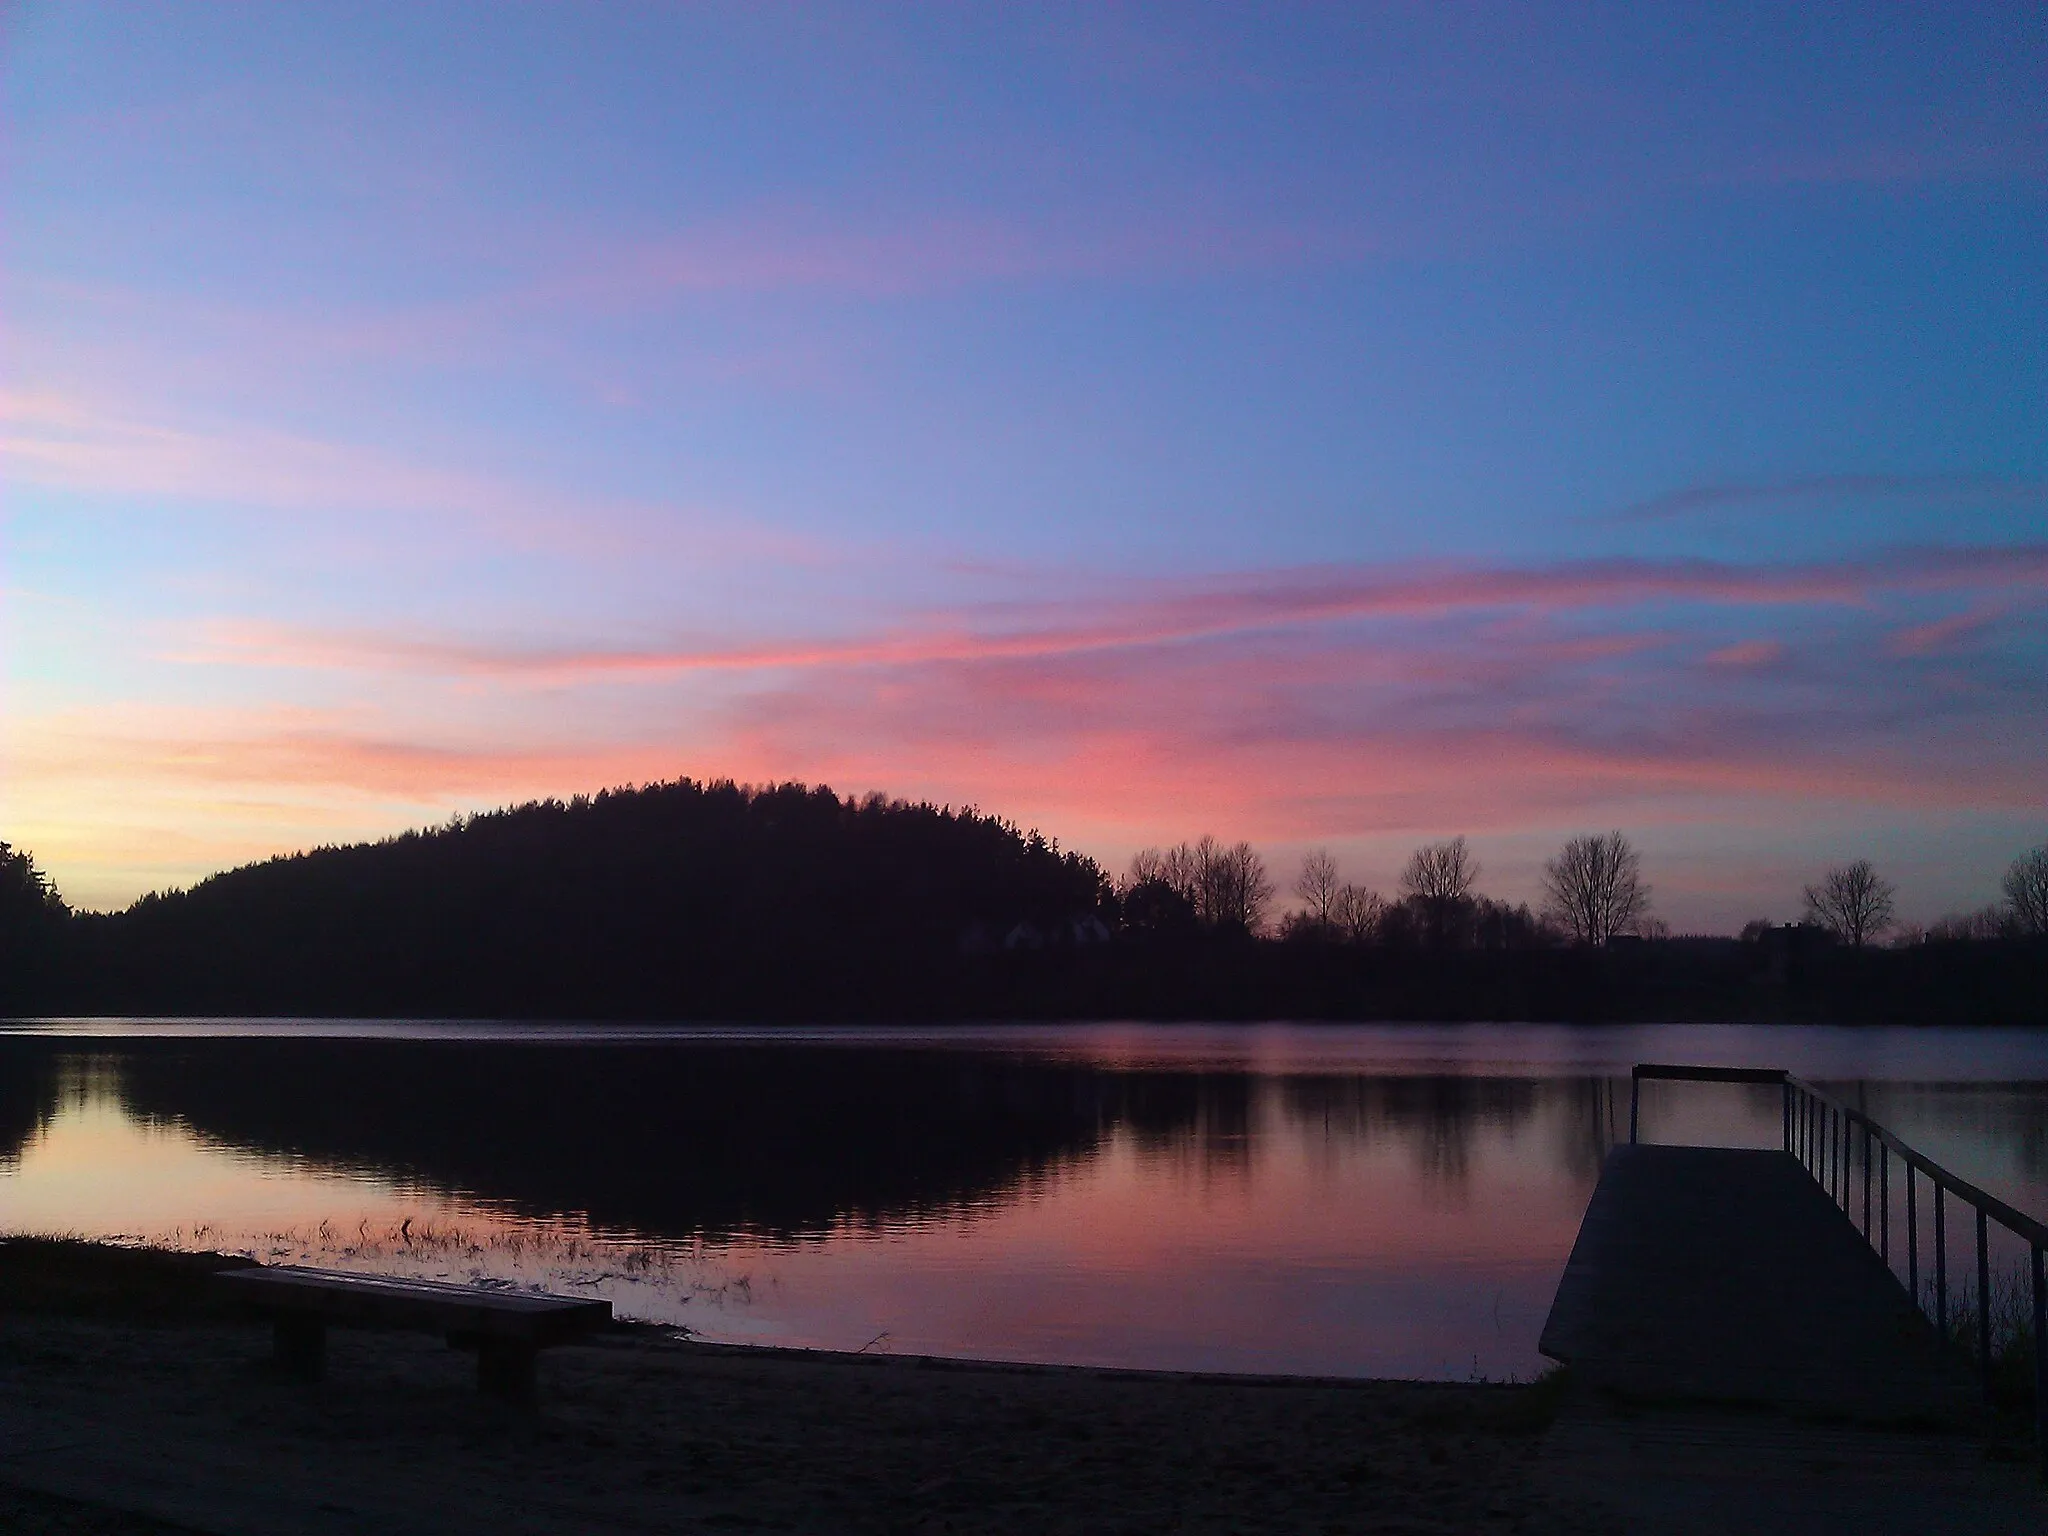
column 1289, row 704
column 1293, row 735
column 795, row 248
column 1164, row 782
column 1747, row 654
column 1168, row 615
column 1945, row 634
column 1812, row 488
column 67, row 443
column 789, row 250
column 283, row 751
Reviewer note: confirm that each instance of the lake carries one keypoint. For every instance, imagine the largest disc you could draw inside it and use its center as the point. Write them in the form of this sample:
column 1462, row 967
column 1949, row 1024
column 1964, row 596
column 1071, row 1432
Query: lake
column 1342, row 1200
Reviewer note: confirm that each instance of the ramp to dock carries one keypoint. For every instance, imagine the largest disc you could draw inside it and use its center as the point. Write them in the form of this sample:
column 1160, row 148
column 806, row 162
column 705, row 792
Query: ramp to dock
column 1715, row 1275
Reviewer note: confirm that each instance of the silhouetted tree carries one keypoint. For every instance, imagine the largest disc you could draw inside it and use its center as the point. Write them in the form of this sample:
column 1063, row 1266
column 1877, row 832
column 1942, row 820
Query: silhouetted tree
column 1852, row 901
column 1437, row 884
column 1235, row 888
column 1966, row 927
column 28, row 900
column 1151, row 905
column 32, row 916
column 1317, row 886
column 1440, row 871
column 1226, row 887
column 1593, row 888
column 2026, row 891
column 1181, row 868
column 1499, row 925
column 1356, row 912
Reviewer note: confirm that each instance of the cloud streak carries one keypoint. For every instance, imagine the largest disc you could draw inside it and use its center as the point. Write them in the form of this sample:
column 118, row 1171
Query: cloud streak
column 800, row 250
column 1276, row 601
column 1799, row 489
column 1278, row 705
column 65, row 443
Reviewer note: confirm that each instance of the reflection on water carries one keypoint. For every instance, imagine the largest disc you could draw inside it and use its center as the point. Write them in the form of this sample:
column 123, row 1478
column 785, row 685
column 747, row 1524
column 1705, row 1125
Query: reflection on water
column 1349, row 1201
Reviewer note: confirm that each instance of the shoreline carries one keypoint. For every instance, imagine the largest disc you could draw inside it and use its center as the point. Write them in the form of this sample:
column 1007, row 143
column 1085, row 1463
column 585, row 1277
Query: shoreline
column 135, row 1401
column 128, row 1389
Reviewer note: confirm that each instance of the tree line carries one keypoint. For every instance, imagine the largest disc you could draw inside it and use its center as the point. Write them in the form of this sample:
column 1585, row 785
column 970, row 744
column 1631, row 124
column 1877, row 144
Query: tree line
column 715, row 900
column 1593, row 892
column 1856, row 904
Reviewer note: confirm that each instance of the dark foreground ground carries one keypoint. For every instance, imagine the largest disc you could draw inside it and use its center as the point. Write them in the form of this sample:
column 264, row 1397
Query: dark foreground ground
column 130, row 1403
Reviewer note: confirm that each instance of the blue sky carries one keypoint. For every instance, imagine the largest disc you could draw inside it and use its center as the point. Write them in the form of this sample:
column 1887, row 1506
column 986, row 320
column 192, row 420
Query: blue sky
column 1322, row 426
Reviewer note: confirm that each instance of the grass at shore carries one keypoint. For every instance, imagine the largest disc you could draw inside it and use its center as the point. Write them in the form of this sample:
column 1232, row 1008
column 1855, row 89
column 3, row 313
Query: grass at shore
column 76, row 1277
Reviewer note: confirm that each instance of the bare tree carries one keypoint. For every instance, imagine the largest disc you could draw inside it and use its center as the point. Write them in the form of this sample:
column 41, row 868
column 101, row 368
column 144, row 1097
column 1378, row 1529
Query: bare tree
column 1438, row 881
column 1963, row 927
column 1225, row 887
column 1852, row 901
column 1316, row 885
column 2026, row 891
column 1235, row 889
column 1441, row 872
column 1147, row 865
column 1181, row 868
column 1152, row 903
column 1356, row 913
column 1594, row 888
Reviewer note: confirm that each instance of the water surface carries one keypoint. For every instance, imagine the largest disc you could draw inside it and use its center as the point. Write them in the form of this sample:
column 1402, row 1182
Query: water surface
column 1380, row 1201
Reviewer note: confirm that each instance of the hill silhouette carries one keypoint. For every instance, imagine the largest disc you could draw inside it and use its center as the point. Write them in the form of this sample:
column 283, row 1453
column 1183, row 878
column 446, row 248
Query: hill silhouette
column 675, row 900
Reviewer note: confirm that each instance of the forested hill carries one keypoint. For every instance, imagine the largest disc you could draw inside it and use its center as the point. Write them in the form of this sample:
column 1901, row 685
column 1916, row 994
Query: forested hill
column 676, row 900
column 716, row 902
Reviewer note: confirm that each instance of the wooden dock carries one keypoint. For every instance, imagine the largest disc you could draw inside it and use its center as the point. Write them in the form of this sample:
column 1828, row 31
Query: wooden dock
column 1703, row 1274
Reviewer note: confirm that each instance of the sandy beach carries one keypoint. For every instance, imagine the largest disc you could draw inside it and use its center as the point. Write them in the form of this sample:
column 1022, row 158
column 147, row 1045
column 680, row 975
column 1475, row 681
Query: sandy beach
column 638, row 1433
column 133, row 1399
column 127, row 1390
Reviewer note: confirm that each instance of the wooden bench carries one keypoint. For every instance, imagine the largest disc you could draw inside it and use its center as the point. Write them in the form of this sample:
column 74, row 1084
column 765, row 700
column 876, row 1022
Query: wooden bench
column 505, row 1328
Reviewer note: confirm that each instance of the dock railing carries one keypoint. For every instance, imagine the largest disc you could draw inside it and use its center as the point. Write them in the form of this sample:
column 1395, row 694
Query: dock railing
column 1841, row 1146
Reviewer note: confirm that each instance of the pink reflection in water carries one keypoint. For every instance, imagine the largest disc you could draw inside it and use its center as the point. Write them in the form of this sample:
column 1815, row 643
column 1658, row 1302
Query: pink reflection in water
column 1346, row 1214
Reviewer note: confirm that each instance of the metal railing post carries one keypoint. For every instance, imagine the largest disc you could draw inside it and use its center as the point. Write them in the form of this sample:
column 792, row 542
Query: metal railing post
column 1838, row 1141
column 1912, row 1238
column 1940, row 1264
column 1866, row 1181
column 1884, row 1203
column 1844, row 1131
column 1848, row 1150
column 1984, row 1298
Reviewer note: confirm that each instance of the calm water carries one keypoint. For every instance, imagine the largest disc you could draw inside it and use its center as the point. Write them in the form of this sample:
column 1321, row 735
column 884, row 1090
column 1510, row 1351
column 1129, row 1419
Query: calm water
column 1392, row 1201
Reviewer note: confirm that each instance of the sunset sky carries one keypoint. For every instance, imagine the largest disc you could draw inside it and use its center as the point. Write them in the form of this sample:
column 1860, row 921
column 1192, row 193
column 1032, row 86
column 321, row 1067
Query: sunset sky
column 1318, row 425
